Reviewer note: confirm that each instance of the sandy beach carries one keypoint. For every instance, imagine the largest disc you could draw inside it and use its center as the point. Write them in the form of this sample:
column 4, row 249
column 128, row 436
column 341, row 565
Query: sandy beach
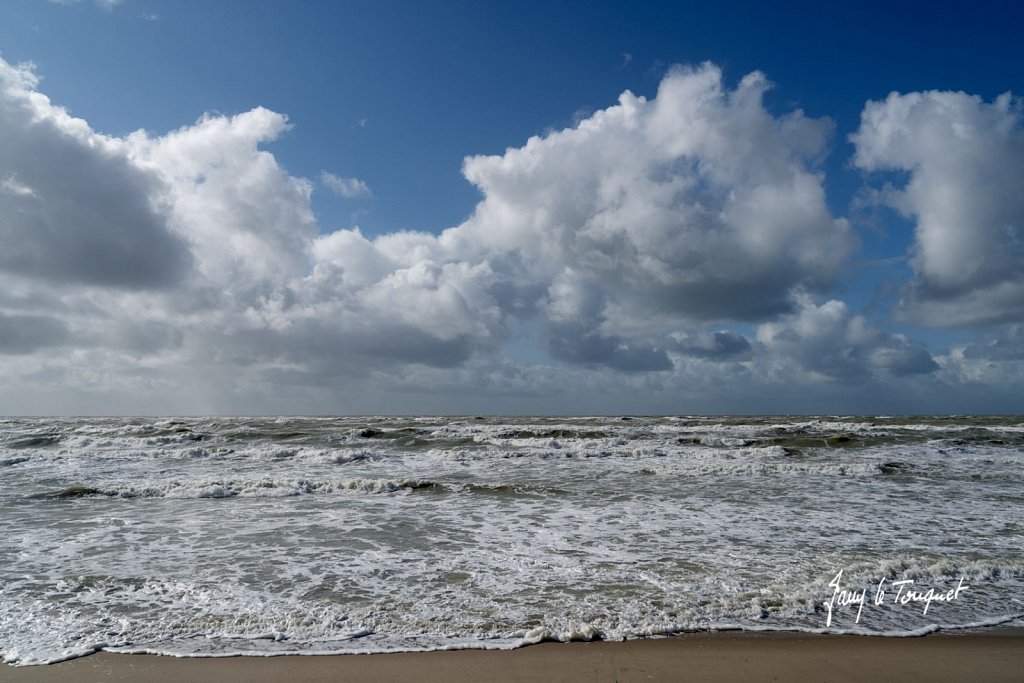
column 995, row 656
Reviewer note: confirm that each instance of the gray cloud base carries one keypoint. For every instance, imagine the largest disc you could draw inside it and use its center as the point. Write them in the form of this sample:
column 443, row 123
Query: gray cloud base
column 75, row 208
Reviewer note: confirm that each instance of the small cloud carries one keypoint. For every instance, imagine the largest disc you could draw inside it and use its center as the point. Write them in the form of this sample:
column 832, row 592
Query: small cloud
column 105, row 4
column 362, row 122
column 151, row 17
column 716, row 346
column 11, row 185
column 350, row 188
column 657, row 69
column 578, row 117
column 626, row 59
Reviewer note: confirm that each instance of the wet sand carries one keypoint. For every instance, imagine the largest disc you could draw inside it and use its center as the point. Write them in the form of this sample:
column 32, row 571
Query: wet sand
column 993, row 656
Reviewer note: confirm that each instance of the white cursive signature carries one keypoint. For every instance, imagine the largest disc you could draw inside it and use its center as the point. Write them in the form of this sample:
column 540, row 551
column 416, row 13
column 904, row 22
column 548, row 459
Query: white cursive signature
column 905, row 593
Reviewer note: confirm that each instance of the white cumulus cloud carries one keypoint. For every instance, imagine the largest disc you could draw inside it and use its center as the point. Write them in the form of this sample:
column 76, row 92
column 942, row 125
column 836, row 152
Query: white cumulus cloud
column 246, row 219
column 350, row 188
column 964, row 160
column 674, row 246
column 697, row 205
column 830, row 341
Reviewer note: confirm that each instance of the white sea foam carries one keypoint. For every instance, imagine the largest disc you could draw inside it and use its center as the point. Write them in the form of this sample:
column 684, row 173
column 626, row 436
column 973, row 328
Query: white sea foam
column 214, row 536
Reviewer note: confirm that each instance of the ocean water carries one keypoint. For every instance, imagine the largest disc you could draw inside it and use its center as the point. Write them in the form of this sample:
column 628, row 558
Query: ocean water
column 261, row 536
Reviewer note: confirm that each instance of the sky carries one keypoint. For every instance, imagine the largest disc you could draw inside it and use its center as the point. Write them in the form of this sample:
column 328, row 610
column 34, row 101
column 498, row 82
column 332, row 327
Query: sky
column 510, row 208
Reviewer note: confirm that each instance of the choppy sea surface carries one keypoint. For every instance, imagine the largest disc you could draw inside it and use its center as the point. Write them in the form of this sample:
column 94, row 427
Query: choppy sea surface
column 261, row 536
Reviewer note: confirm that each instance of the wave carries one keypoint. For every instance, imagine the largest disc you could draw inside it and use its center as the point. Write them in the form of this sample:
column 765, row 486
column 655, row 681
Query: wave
column 260, row 488
column 279, row 488
column 367, row 641
column 703, row 469
column 934, row 571
column 34, row 441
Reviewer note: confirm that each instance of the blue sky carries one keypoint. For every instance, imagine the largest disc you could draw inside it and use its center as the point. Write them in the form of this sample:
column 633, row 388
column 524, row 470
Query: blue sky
column 390, row 98
column 457, row 78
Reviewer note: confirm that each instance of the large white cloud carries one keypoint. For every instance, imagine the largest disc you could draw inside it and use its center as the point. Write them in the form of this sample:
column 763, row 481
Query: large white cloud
column 186, row 272
column 696, row 205
column 246, row 219
column 965, row 164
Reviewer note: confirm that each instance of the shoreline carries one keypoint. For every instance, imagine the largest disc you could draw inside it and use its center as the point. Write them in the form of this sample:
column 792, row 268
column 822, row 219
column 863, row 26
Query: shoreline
column 993, row 655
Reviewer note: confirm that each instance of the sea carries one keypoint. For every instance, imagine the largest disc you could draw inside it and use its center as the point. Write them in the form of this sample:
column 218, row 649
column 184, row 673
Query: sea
column 215, row 536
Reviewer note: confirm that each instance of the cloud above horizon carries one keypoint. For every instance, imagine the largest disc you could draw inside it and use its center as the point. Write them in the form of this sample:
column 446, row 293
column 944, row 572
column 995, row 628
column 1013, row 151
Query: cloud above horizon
column 349, row 188
column 964, row 160
column 661, row 247
column 74, row 207
column 104, row 4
